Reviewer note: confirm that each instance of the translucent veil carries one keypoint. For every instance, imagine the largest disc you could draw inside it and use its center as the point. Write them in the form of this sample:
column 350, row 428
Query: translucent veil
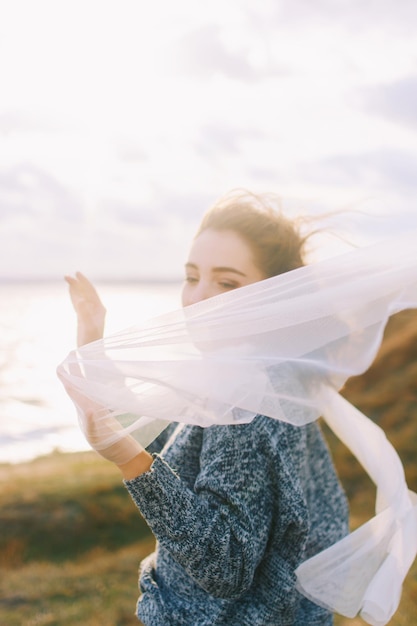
column 270, row 348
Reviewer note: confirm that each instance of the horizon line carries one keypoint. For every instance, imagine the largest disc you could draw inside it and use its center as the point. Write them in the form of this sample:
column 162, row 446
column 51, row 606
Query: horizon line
column 99, row 279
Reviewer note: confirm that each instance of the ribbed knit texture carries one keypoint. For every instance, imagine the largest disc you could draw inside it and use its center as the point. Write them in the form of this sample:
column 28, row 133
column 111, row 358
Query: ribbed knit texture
column 235, row 509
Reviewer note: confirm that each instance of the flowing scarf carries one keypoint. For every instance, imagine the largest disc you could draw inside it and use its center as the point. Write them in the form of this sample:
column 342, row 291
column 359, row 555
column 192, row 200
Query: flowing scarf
column 270, row 348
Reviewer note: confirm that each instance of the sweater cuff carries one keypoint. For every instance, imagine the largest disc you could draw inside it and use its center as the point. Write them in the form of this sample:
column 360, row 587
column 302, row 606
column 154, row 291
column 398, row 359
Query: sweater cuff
column 171, row 510
column 160, row 497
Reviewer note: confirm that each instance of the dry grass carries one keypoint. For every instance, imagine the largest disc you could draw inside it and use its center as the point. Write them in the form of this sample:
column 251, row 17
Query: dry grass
column 70, row 543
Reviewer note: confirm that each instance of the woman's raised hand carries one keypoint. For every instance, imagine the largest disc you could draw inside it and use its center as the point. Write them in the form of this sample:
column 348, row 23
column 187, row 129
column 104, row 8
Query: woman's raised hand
column 90, row 311
column 102, row 431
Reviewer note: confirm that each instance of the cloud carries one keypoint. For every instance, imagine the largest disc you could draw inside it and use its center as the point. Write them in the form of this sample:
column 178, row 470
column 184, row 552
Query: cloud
column 111, row 165
column 349, row 15
column 236, row 53
column 27, row 190
column 203, row 53
column 131, row 154
column 130, row 213
column 14, row 121
column 381, row 169
column 215, row 139
column 396, row 101
column 377, row 189
column 47, row 230
column 186, row 207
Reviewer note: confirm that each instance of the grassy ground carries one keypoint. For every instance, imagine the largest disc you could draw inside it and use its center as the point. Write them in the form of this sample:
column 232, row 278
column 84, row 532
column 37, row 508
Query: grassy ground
column 71, row 538
column 70, row 544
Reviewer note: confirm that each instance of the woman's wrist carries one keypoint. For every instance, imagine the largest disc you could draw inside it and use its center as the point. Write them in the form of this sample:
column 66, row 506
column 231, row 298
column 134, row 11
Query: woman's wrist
column 140, row 464
column 89, row 332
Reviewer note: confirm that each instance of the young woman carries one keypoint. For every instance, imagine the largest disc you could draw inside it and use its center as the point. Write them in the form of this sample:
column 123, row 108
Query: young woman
column 235, row 509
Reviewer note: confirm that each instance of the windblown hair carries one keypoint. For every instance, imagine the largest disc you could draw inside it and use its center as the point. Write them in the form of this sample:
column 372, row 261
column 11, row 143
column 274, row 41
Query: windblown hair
column 276, row 241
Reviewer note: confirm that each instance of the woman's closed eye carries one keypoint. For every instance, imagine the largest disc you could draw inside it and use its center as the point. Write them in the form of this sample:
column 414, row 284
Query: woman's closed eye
column 228, row 284
column 191, row 280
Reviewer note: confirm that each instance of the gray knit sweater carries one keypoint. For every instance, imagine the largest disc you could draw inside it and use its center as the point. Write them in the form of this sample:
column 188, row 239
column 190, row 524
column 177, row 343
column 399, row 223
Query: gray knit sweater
column 235, row 509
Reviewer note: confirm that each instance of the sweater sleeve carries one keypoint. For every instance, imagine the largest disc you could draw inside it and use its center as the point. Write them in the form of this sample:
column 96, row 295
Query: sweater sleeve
column 218, row 530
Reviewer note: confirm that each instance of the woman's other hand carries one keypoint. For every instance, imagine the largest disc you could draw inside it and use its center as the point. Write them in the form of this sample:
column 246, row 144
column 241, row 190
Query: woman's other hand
column 105, row 435
column 88, row 307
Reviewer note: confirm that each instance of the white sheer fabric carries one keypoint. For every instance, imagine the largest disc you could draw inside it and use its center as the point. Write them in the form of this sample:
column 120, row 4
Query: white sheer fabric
column 226, row 359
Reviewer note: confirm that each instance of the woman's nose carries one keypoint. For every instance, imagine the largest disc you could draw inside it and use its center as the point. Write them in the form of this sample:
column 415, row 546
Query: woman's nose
column 196, row 292
column 201, row 292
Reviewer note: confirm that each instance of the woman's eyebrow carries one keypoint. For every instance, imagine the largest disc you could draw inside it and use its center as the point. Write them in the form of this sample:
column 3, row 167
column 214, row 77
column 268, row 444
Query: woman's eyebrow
column 228, row 269
column 217, row 270
column 191, row 266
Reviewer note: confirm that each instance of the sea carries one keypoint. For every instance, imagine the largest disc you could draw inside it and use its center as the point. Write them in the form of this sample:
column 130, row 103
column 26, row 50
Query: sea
column 37, row 331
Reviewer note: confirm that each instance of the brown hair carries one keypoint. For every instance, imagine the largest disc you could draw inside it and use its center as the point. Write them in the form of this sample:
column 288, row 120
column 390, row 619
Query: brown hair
column 276, row 241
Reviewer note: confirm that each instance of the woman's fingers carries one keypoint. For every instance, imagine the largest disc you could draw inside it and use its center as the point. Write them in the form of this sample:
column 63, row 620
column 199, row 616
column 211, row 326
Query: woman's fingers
column 89, row 309
column 82, row 290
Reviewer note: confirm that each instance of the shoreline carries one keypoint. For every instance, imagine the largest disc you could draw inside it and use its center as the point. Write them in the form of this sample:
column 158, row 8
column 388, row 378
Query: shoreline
column 44, row 464
column 54, row 452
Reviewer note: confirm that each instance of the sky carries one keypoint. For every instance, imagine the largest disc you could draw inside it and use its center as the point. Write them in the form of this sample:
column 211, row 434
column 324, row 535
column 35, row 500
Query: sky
column 122, row 121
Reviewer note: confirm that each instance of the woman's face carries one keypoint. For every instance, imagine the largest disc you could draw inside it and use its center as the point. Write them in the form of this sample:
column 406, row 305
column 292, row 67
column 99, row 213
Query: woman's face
column 218, row 261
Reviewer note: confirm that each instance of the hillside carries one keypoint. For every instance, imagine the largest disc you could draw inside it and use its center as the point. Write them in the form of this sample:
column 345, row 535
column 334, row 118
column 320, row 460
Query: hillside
column 387, row 393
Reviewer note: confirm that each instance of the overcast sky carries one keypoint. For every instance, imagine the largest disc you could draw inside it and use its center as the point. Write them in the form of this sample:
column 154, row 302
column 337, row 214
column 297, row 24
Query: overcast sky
column 121, row 121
